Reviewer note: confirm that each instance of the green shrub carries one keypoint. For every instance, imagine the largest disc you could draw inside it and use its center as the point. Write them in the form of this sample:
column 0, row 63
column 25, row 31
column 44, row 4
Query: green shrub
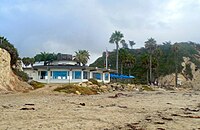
column 94, row 81
column 74, row 88
column 11, row 49
column 22, row 76
column 36, row 84
column 147, row 88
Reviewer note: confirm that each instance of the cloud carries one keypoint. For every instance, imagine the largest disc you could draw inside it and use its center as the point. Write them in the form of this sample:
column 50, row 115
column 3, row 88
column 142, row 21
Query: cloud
column 67, row 26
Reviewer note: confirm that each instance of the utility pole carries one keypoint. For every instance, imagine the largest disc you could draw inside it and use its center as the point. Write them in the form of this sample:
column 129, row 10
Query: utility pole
column 150, row 68
column 106, row 58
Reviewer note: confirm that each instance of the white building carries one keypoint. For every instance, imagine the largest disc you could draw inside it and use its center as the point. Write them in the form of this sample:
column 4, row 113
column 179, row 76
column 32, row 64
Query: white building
column 64, row 71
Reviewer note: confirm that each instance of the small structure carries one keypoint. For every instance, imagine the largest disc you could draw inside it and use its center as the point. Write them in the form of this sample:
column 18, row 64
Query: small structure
column 66, row 71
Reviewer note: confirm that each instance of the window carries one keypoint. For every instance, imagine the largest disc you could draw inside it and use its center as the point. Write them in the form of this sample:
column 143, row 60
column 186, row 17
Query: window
column 106, row 76
column 97, row 76
column 59, row 74
column 85, row 75
column 43, row 75
column 76, row 74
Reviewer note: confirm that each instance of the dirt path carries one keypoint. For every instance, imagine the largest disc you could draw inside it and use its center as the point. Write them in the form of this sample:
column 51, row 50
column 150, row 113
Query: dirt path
column 156, row 110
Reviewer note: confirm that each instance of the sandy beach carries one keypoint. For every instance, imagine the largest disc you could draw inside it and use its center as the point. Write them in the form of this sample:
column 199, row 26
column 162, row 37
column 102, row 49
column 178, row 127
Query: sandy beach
column 155, row 110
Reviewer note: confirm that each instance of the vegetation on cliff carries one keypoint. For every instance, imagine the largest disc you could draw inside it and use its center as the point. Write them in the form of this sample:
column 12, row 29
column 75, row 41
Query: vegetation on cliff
column 14, row 55
column 164, row 59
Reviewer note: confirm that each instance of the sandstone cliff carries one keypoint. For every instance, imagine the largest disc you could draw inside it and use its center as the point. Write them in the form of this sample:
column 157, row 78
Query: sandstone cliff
column 183, row 78
column 8, row 80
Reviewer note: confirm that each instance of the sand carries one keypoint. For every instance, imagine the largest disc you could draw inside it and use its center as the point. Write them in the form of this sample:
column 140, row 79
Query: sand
column 156, row 110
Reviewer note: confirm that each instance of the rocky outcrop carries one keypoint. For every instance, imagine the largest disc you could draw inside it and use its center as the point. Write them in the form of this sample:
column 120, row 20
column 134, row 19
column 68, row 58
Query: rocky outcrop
column 186, row 79
column 8, row 80
column 108, row 87
column 195, row 81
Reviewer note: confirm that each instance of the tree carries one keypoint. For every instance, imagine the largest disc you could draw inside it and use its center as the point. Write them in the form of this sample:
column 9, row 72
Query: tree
column 145, row 64
column 82, row 56
column 130, row 60
column 132, row 43
column 126, row 59
column 46, row 57
column 150, row 45
column 122, row 58
column 175, row 48
column 124, row 44
column 28, row 61
column 158, row 54
column 116, row 38
column 5, row 44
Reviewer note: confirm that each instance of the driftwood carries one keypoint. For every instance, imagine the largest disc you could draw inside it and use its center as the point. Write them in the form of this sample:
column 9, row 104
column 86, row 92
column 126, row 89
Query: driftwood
column 188, row 109
column 29, row 104
column 197, row 117
column 118, row 95
column 25, row 108
column 160, row 129
column 122, row 106
column 158, row 122
column 165, row 118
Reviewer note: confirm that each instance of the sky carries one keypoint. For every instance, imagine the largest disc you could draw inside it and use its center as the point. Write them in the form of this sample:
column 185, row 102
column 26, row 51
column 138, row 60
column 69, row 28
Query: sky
column 66, row 26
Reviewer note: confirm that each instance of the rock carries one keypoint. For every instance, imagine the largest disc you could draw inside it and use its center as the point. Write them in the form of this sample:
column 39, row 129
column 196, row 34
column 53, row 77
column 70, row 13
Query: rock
column 84, row 85
column 8, row 80
column 130, row 87
column 104, row 88
column 77, row 92
column 89, row 83
column 93, row 86
column 82, row 104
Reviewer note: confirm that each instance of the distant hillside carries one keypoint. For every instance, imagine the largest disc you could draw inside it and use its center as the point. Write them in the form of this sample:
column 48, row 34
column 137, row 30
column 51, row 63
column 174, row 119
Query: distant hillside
column 164, row 59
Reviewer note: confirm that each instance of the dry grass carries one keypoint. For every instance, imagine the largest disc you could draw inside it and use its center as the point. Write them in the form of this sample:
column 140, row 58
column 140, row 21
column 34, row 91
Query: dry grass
column 147, row 88
column 36, row 84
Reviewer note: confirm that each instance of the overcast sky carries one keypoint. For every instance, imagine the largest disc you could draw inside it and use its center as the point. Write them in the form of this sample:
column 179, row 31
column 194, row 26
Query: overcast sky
column 65, row 26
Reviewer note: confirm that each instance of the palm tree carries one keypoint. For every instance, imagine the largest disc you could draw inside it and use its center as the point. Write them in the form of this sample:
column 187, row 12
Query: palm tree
column 132, row 43
column 27, row 61
column 82, row 56
column 126, row 59
column 145, row 65
column 150, row 44
column 124, row 44
column 158, row 54
column 123, row 53
column 116, row 38
column 130, row 60
column 45, row 57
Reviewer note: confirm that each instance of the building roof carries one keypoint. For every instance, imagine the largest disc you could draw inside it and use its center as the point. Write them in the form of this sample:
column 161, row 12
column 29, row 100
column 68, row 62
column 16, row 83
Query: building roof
column 72, row 67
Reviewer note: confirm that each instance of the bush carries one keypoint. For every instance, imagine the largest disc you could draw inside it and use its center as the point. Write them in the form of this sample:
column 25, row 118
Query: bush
column 147, row 88
column 74, row 88
column 11, row 49
column 94, row 81
column 36, row 84
column 23, row 76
